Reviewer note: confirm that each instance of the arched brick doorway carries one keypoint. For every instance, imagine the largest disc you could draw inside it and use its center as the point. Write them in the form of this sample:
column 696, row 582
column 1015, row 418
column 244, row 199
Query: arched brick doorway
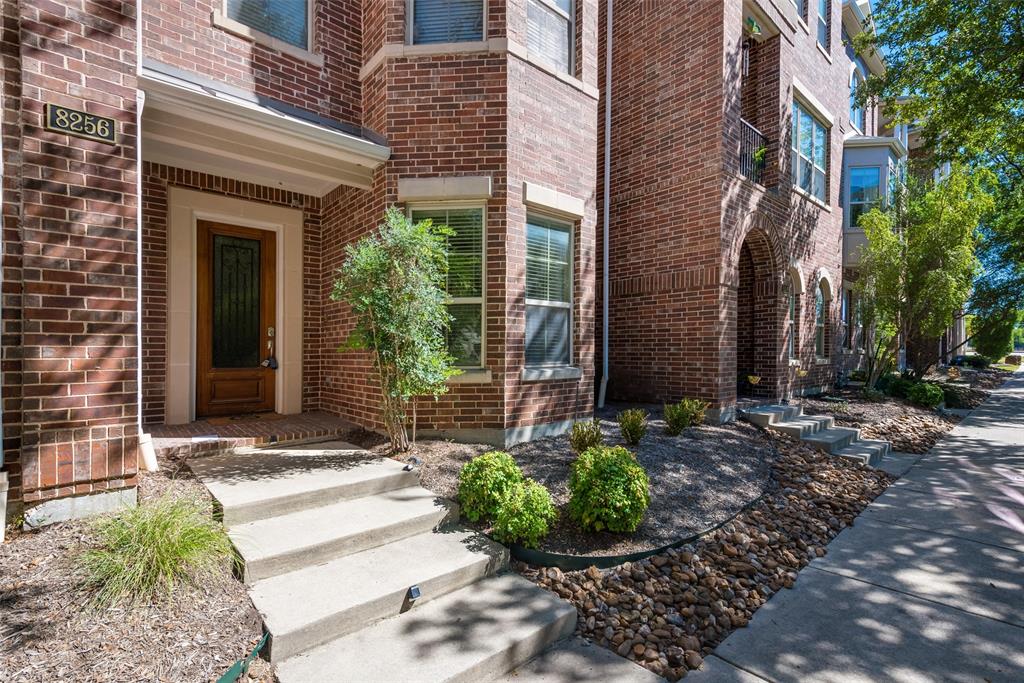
column 757, row 318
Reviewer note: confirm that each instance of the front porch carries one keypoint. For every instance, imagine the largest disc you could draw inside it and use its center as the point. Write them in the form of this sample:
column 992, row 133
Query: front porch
column 212, row 435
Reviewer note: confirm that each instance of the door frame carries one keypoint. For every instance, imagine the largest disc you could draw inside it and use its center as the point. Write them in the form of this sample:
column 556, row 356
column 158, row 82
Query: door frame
column 185, row 209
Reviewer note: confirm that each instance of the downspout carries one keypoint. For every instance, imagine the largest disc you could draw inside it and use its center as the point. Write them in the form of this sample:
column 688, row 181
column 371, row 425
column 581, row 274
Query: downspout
column 606, row 212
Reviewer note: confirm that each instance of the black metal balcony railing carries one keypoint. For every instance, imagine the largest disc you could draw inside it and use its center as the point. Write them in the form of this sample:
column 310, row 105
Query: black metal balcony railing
column 753, row 150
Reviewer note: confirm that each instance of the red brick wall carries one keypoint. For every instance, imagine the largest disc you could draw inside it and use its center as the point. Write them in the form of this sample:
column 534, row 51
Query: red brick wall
column 180, row 33
column 70, row 210
column 156, row 179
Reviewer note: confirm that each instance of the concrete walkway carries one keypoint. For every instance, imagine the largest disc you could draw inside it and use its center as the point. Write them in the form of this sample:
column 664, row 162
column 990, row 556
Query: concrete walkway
column 929, row 584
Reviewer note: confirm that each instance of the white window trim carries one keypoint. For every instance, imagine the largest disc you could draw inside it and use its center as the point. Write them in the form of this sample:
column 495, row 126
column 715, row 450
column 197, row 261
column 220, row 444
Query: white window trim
column 795, row 150
column 471, row 373
column 828, row 27
column 571, row 17
column 803, row 93
column 410, row 27
column 221, row 20
column 848, row 218
column 854, row 73
column 570, row 305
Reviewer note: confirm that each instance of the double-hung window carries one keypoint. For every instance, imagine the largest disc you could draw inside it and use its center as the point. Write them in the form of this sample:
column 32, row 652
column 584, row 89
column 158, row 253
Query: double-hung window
column 801, row 8
column 791, row 322
column 286, row 20
column 809, row 152
column 865, row 189
column 550, row 32
column 446, row 21
column 465, row 280
column 857, row 114
column 848, row 309
column 548, row 292
column 823, row 23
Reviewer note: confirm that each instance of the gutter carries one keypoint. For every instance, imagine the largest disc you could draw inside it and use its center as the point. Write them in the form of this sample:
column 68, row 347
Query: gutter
column 606, row 212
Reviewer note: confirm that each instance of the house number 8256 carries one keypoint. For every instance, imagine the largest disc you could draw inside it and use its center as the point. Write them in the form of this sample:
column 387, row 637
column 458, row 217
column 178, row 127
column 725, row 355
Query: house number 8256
column 80, row 124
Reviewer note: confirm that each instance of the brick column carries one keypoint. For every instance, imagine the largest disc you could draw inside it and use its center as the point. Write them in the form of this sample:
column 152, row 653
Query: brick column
column 78, row 238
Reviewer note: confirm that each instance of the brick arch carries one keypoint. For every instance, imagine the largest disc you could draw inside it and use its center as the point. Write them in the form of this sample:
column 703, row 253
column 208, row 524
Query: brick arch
column 756, row 319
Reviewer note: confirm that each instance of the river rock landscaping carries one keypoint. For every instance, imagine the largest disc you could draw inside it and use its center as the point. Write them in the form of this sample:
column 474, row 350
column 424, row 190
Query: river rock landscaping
column 668, row 611
column 50, row 632
column 697, row 479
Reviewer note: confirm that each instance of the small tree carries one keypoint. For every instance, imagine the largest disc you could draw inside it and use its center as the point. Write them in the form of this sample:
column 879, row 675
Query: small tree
column 394, row 281
column 993, row 336
column 918, row 265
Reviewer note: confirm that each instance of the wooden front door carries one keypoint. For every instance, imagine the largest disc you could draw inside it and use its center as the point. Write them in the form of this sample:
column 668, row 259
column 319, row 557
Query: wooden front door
column 235, row 337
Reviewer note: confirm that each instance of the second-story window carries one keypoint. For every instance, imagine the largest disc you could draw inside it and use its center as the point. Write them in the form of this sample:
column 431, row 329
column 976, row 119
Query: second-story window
column 286, row 20
column 823, row 23
column 549, row 32
column 809, row 153
column 447, row 21
column 801, row 8
column 856, row 109
column 864, row 190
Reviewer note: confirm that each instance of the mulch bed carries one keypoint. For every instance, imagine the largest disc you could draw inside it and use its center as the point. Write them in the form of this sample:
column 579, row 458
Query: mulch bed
column 698, row 479
column 670, row 610
column 48, row 631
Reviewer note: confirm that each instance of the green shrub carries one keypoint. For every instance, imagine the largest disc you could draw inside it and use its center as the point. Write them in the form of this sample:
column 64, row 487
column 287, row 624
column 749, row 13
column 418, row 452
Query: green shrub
column 525, row 515
column 609, row 490
column 925, row 394
column 978, row 361
column 585, row 435
column 894, row 385
column 484, row 481
column 687, row 413
column 145, row 551
column 633, row 425
column 858, row 376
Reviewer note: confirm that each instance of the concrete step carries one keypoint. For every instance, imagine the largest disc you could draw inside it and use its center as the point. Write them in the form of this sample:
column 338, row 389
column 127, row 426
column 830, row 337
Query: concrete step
column 575, row 659
column 473, row 634
column 868, row 451
column 832, row 439
column 285, row 543
column 311, row 606
column 258, row 483
column 765, row 416
column 803, row 426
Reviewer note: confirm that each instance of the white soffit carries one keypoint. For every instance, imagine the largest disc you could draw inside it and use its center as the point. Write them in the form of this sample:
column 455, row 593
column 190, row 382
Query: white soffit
column 190, row 126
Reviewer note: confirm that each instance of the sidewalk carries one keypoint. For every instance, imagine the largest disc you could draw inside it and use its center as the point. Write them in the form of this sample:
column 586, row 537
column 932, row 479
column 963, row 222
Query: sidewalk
column 927, row 586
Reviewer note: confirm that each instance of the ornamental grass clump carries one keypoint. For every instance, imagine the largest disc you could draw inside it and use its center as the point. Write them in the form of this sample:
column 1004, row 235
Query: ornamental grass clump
column 609, row 490
column 687, row 413
column 143, row 553
column 483, row 483
column 525, row 515
column 585, row 435
column 633, row 425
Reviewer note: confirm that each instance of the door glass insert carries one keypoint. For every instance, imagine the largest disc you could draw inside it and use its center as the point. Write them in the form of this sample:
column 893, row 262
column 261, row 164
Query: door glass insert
column 236, row 302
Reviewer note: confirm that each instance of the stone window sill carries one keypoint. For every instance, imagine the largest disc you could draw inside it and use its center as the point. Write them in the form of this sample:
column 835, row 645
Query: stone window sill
column 822, row 361
column 794, row 362
column 472, row 376
column 823, row 51
column 811, row 198
column 241, row 30
column 551, row 374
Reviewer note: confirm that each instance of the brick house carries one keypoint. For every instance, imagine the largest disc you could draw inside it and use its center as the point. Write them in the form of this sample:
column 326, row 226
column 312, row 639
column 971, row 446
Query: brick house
column 181, row 178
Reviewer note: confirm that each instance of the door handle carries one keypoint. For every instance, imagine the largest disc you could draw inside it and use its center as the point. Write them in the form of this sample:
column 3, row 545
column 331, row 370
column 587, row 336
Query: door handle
column 270, row 361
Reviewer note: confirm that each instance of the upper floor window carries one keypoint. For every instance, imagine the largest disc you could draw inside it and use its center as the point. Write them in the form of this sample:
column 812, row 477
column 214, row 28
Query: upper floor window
column 801, row 8
column 857, row 116
column 809, row 153
column 286, row 20
column 820, row 312
column 549, row 32
column 548, row 291
column 465, row 279
column 865, row 190
column 823, row 23
column 447, row 21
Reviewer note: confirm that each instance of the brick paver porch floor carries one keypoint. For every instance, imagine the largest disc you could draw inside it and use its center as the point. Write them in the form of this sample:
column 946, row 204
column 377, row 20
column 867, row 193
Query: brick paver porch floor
column 204, row 437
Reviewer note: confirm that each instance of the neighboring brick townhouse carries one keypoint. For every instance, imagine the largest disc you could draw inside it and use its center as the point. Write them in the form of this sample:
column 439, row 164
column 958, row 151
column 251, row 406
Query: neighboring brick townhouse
column 181, row 178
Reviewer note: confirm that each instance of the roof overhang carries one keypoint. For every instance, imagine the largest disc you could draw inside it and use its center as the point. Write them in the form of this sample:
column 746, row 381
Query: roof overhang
column 191, row 125
column 857, row 19
column 895, row 144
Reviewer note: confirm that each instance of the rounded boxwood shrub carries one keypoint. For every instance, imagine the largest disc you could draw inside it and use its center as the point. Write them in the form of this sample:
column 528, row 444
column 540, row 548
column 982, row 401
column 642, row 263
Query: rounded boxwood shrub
column 925, row 394
column 483, row 483
column 525, row 515
column 609, row 490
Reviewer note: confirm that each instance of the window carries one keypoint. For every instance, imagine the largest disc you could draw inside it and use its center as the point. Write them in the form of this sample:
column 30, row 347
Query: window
column 548, row 292
column 447, row 21
column 465, row 280
column 810, row 153
column 819, row 322
column 801, row 8
column 856, row 110
column 286, row 20
column 865, row 182
column 823, row 23
column 791, row 321
column 549, row 31
column 850, row 327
